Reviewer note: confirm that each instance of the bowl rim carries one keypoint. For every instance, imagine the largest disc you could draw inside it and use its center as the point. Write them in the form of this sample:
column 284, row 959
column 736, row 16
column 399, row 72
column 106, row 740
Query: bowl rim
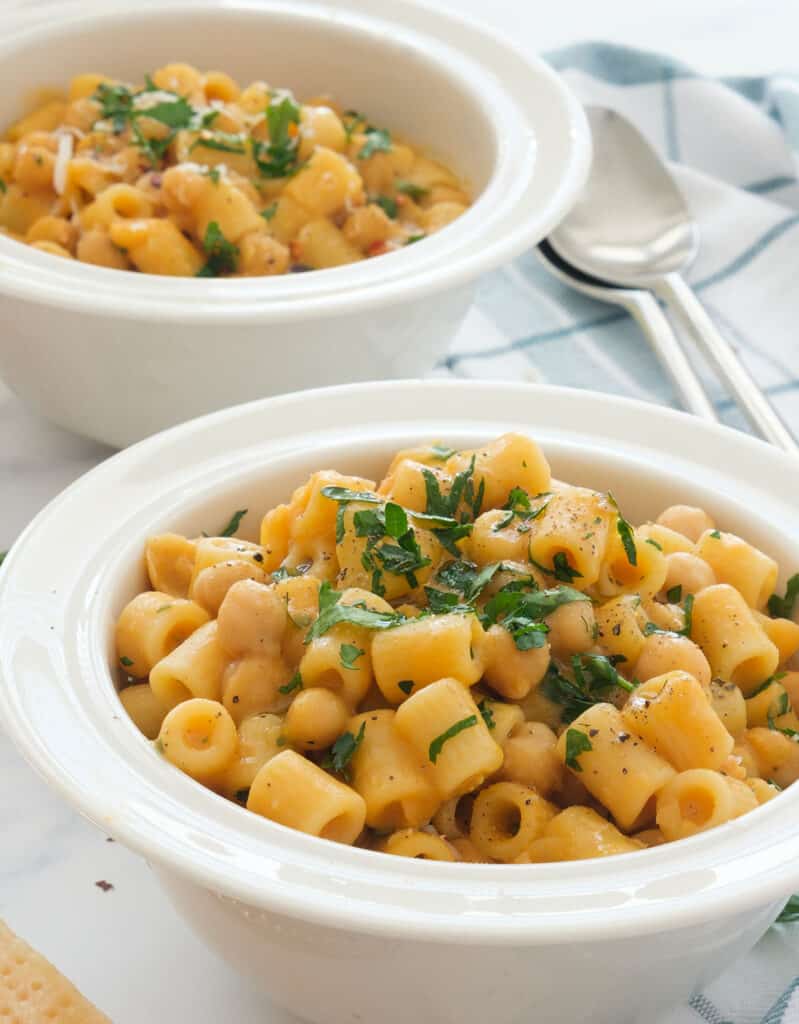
column 189, row 830
column 491, row 232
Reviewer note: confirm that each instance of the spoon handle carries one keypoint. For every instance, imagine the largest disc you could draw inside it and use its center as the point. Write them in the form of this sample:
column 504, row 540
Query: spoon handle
column 674, row 290
column 646, row 310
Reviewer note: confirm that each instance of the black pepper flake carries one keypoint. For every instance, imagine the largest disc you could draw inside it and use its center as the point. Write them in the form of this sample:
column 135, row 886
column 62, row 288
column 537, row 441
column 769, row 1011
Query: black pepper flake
column 258, row 557
column 623, row 737
column 235, row 700
column 593, row 732
column 624, row 771
column 616, row 631
column 105, row 886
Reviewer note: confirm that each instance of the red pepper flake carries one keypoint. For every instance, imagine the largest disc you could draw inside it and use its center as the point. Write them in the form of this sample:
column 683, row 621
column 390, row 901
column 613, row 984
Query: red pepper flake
column 377, row 249
column 105, row 886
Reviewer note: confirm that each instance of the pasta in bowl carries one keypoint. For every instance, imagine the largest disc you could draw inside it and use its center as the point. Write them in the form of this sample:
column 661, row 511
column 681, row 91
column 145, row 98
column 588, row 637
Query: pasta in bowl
column 470, row 661
column 282, row 905
column 190, row 175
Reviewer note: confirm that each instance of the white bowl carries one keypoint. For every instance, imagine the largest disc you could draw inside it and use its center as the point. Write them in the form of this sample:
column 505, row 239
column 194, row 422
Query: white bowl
column 118, row 356
column 338, row 934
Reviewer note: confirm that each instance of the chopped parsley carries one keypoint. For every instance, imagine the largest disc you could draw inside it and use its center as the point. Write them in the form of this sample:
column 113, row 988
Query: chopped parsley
column 295, row 683
column 214, row 174
column 790, row 912
column 437, row 744
column 3, row 556
column 593, row 676
column 654, row 543
column 577, row 742
column 406, row 685
column 463, row 577
column 441, row 453
column 561, row 570
column 349, row 654
column 345, row 494
column 343, row 751
column 377, row 141
column 487, row 713
column 674, row 594
column 415, row 238
column 278, row 158
column 520, row 612
column 688, row 611
column 331, row 612
column 782, row 607
column 118, row 105
column 625, row 532
column 519, row 506
column 127, row 662
column 222, row 141
column 222, row 254
column 387, row 205
column 3, row 187
column 407, row 188
column 765, row 685
column 233, row 523
column 715, row 534
column 269, row 212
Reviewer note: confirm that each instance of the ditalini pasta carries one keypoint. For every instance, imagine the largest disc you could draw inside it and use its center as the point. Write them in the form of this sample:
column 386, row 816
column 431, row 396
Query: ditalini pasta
column 469, row 661
column 192, row 175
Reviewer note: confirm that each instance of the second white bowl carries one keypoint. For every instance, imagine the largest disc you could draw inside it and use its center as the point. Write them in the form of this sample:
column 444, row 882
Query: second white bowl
column 118, row 356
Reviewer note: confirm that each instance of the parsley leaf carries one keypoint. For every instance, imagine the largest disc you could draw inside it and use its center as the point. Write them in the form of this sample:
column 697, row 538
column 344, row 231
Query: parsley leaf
column 277, row 158
column 331, row 612
column 377, row 141
column 593, row 674
column 790, row 912
column 343, row 751
column 437, row 744
column 295, row 683
column 487, row 713
column 465, row 577
column 127, row 662
column 349, row 654
column 625, row 532
column 387, row 205
column 561, row 570
column 222, row 254
column 577, row 742
column 222, row 141
column 233, row 523
column 715, row 534
column 396, row 520
column 688, row 610
column 415, row 192
column 782, row 607
column 345, row 494
column 520, row 612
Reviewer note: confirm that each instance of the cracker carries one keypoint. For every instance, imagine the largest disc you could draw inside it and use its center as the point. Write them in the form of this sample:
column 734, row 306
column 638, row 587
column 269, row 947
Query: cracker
column 32, row 991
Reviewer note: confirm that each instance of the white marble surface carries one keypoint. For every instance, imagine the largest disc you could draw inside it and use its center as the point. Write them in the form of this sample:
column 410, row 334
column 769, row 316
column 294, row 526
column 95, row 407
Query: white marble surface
column 125, row 947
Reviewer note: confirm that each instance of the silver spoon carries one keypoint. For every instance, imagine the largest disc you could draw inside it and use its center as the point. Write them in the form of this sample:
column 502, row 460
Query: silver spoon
column 644, row 308
column 632, row 227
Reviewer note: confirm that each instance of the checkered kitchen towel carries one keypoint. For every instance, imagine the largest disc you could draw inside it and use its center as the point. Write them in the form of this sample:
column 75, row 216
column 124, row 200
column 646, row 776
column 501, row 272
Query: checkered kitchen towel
column 734, row 146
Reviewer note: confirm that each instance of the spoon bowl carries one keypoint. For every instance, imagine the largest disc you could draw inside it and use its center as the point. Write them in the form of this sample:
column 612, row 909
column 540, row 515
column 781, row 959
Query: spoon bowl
column 631, row 225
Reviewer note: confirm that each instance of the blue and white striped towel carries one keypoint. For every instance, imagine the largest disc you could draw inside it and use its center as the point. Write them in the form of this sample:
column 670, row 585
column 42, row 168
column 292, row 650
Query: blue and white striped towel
column 734, row 146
